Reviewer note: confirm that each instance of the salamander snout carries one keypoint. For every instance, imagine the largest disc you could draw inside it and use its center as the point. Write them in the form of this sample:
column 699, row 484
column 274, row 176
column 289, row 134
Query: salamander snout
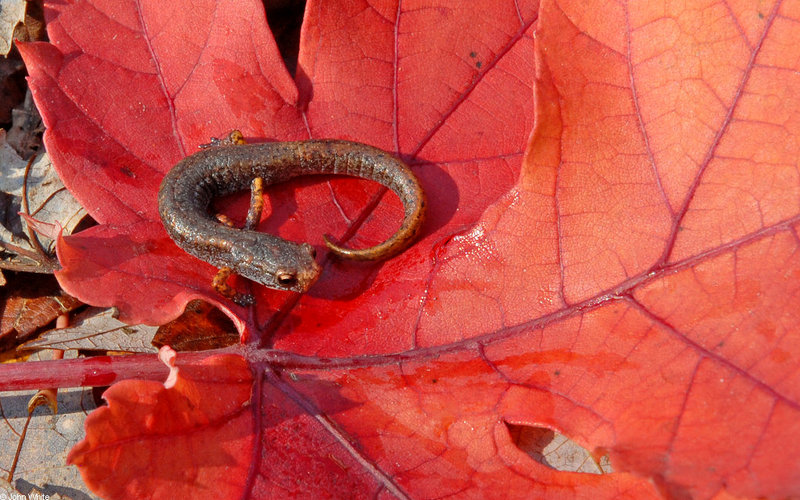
column 297, row 273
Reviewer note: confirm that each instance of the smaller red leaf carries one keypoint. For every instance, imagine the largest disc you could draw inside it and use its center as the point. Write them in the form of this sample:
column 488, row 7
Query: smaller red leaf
column 195, row 435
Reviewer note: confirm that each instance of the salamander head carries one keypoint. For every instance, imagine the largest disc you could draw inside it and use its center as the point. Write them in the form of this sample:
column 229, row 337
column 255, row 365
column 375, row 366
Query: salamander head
column 280, row 264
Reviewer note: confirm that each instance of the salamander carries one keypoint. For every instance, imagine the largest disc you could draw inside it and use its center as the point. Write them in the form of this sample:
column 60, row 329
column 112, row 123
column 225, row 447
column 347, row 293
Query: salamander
column 187, row 191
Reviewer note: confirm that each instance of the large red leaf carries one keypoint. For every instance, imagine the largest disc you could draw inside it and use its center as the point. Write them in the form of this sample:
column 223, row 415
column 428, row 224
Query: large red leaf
column 162, row 111
column 623, row 270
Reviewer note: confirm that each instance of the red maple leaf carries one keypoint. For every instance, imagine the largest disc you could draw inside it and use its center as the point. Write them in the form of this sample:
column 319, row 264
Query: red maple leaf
column 611, row 252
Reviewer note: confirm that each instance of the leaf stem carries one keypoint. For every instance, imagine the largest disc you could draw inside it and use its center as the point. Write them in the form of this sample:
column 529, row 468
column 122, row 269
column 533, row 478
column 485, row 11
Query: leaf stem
column 88, row 372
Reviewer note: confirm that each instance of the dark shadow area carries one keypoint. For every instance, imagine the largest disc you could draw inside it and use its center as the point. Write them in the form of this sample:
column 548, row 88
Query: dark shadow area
column 285, row 18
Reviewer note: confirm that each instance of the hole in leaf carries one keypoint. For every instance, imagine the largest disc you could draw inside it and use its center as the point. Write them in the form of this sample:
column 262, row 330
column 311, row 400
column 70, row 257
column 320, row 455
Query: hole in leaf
column 556, row 450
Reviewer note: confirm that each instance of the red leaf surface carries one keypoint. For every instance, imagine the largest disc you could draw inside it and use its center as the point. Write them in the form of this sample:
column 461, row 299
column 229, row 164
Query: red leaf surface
column 611, row 252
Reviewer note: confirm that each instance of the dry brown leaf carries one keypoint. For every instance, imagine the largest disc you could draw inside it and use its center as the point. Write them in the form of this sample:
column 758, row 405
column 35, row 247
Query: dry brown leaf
column 200, row 327
column 12, row 12
column 31, row 302
column 47, row 201
column 98, row 329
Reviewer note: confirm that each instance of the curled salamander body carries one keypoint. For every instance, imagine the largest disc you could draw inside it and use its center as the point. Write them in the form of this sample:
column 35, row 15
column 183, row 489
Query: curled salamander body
column 187, row 191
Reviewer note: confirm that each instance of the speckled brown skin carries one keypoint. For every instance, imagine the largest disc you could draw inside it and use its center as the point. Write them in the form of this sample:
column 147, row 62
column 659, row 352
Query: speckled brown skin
column 189, row 187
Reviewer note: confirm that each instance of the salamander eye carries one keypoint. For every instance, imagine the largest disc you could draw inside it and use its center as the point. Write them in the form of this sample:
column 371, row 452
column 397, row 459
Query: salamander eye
column 286, row 278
